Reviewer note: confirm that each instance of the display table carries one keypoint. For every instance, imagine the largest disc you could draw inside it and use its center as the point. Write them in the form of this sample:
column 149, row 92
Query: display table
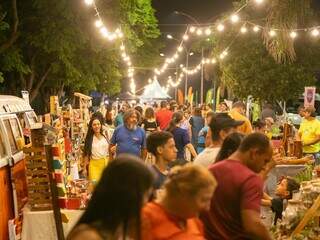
column 279, row 171
column 40, row 225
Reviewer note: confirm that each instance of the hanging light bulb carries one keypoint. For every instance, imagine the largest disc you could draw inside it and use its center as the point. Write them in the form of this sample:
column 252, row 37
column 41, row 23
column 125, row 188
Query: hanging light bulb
column 185, row 37
column 208, row 31
column 199, row 32
column 192, row 29
column 256, row 29
column 98, row 23
column 293, row 34
column 122, row 47
column 259, row 1
column 88, row 2
column 180, row 48
column 235, row 18
column 315, row 32
column 272, row 33
column 220, row 27
column 104, row 31
column 207, row 61
column 243, row 29
column 213, row 60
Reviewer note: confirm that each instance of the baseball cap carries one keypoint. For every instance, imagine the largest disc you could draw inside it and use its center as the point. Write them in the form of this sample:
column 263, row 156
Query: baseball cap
column 222, row 121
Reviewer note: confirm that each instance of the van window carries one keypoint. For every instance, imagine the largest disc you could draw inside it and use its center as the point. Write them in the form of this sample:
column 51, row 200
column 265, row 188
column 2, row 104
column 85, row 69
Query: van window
column 13, row 146
column 2, row 148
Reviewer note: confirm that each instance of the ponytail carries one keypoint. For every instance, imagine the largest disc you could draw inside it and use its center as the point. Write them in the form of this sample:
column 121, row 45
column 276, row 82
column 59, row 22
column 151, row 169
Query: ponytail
column 176, row 118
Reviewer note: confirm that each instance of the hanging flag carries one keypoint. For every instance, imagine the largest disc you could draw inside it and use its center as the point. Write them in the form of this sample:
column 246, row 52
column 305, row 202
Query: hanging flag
column 218, row 98
column 180, row 97
column 209, row 96
column 190, row 93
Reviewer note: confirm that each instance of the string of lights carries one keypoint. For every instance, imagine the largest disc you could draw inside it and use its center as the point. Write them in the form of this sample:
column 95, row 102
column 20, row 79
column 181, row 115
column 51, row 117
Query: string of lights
column 111, row 36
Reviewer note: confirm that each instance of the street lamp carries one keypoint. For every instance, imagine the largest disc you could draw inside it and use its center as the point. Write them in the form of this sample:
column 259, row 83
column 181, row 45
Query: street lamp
column 162, row 54
column 169, row 36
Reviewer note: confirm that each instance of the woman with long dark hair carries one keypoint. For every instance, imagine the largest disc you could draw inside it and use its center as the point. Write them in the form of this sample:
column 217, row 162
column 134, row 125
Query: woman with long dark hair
column 181, row 137
column 229, row 146
column 114, row 209
column 96, row 147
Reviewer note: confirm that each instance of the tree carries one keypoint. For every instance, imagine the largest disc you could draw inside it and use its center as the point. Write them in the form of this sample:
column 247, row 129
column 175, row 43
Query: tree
column 251, row 70
column 58, row 48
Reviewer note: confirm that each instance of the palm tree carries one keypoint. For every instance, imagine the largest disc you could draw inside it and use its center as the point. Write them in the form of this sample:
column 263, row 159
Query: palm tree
column 285, row 15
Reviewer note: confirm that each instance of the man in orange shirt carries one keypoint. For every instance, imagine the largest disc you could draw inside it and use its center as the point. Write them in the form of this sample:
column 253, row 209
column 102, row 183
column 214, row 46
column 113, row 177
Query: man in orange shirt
column 238, row 113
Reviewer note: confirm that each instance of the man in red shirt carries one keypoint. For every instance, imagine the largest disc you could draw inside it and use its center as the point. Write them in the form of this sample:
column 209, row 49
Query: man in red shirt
column 235, row 206
column 163, row 116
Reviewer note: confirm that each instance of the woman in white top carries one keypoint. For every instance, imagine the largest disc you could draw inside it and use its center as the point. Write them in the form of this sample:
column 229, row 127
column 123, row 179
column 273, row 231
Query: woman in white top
column 96, row 149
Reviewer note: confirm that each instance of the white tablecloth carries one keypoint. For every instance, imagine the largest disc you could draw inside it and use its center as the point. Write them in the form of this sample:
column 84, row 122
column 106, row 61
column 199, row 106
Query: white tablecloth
column 40, row 225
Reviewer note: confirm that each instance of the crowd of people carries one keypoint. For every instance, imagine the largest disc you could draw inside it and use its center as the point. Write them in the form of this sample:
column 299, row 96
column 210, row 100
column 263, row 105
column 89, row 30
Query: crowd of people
column 205, row 180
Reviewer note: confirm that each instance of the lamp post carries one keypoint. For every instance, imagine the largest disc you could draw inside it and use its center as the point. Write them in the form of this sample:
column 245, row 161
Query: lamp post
column 194, row 20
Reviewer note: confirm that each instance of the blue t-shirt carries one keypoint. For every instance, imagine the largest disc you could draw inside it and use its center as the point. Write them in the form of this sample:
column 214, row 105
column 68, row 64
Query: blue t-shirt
column 202, row 139
column 129, row 141
column 159, row 179
column 181, row 138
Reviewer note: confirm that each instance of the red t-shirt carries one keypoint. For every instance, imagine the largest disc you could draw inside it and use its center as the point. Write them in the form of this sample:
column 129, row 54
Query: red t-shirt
column 157, row 224
column 239, row 188
column 163, row 117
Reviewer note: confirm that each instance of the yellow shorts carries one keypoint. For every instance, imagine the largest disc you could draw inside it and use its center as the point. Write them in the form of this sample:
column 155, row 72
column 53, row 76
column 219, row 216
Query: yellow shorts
column 96, row 167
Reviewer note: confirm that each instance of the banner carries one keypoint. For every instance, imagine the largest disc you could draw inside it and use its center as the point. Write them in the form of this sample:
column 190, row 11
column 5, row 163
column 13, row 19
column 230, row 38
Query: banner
column 180, row 97
column 209, row 96
column 309, row 96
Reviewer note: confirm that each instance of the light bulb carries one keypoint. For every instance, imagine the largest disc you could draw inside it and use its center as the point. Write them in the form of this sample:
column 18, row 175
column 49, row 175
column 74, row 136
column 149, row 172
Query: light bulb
column 256, row 29
column 104, row 32
column 220, row 27
column 207, row 61
column 208, row 31
column 192, row 29
column 185, row 37
column 243, row 30
column 181, row 65
column 213, row 60
column 98, row 23
column 88, row 2
column 258, row 1
column 180, row 48
column 315, row 32
column 234, row 18
column 293, row 34
column 122, row 47
column 272, row 33
column 199, row 32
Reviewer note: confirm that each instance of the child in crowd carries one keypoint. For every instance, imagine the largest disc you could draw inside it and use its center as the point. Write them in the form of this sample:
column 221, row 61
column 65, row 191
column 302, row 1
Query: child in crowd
column 284, row 191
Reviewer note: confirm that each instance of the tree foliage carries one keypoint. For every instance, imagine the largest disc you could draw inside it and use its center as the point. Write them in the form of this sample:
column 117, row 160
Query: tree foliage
column 251, row 70
column 48, row 47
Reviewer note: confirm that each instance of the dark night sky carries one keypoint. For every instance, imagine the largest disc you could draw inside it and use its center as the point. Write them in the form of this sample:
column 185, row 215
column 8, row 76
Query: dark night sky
column 202, row 10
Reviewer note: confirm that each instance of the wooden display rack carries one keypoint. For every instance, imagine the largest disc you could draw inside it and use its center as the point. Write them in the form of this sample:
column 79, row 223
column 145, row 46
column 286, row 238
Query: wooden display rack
column 39, row 193
column 313, row 212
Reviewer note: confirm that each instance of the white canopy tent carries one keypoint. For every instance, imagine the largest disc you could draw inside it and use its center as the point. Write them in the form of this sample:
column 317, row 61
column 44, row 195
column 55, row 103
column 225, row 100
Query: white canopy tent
column 154, row 91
